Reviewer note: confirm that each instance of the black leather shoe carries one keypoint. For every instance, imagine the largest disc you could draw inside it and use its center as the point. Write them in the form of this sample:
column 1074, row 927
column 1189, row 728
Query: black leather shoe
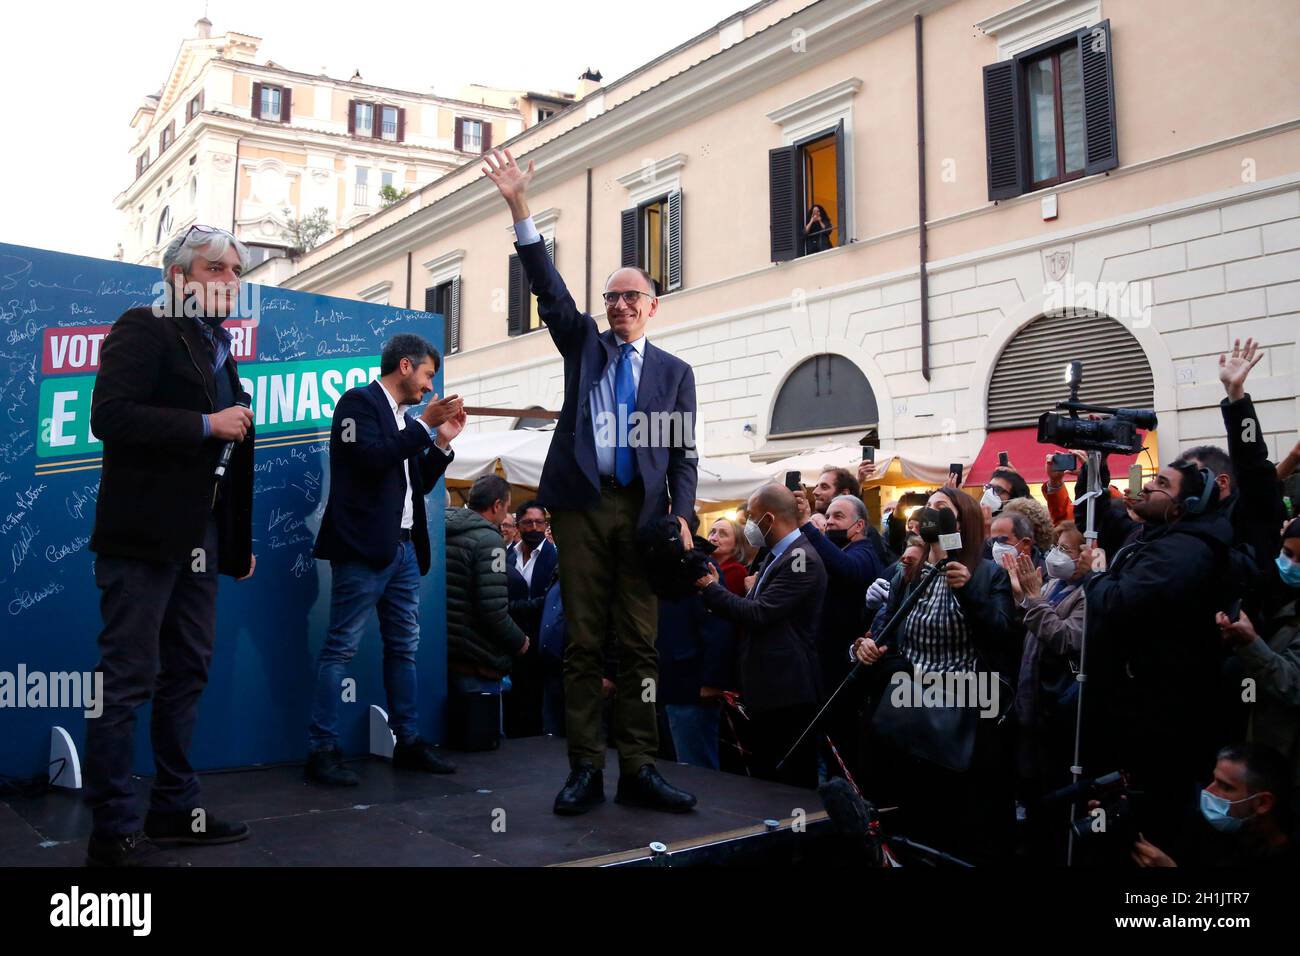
column 326, row 766
column 192, row 827
column 128, row 849
column 646, row 788
column 418, row 755
column 583, row 790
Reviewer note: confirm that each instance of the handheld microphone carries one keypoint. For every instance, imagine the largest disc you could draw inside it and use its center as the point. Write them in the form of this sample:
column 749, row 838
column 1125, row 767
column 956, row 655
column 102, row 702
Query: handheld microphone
column 244, row 401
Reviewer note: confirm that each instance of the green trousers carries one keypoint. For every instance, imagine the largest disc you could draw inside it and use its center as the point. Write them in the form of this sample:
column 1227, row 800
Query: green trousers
column 607, row 598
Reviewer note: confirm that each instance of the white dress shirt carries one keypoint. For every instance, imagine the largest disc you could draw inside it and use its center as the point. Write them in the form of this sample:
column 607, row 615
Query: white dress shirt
column 399, row 415
column 525, row 568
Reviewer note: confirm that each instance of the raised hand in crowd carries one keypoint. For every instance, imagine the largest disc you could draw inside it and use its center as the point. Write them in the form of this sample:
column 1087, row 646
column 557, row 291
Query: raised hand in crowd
column 510, row 179
column 1287, row 466
column 1094, row 558
column 804, row 505
column 877, row 593
column 867, row 471
column 1234, row 369
column 1026, row 583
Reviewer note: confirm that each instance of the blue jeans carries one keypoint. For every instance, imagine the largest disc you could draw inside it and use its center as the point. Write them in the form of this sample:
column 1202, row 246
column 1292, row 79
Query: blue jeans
column 358, row 589
column 695, row 730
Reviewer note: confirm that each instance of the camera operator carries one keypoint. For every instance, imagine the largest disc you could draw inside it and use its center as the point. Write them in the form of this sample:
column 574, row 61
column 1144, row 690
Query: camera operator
column 1243, row 819
column 1154, row 654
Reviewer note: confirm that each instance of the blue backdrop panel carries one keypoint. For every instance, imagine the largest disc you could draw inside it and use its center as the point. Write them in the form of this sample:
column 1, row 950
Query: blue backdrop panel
column 297, row 353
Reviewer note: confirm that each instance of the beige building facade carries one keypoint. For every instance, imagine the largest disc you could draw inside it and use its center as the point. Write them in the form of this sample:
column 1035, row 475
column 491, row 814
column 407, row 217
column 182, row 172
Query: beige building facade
column 1106, row 180
column 251, row 146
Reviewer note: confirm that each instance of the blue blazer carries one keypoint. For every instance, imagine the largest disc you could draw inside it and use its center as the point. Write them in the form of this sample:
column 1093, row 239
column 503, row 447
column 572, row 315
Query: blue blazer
column 570, row 479
column 364, row 512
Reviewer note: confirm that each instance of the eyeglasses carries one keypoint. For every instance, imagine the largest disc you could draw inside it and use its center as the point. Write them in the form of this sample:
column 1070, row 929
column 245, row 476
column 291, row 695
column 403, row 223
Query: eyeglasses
column 205, row 231
column 532, row 523
column 630, row 297
column 1000, row 492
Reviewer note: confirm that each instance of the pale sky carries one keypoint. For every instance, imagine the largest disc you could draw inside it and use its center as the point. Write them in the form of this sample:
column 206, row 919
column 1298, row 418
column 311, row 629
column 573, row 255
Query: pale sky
column 73, row 73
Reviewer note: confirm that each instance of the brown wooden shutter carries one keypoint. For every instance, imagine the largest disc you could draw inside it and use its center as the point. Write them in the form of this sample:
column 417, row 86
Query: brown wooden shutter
column 200, row 101
column 460, row 134
column 452, row 341
column 516, row 293
column 674, row 240
column 401, row 124
column 257, row 101
column 630, row 226
column 352, row 117
column 376, row 120
column 1002, row 130
column 1098, row 98
column 841, row 191
column 286, row 104
column 487, row 135
column 784, row 207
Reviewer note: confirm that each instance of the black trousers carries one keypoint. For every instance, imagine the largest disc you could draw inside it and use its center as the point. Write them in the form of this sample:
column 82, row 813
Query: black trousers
column 159, row 630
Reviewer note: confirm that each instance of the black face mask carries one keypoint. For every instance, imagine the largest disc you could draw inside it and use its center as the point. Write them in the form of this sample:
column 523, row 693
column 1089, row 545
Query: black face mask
column 532, row 538
column 837, row 536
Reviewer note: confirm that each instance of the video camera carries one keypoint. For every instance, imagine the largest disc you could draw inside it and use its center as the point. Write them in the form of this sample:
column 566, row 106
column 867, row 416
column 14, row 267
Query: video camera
column 1118, row 433
column 1114, row 814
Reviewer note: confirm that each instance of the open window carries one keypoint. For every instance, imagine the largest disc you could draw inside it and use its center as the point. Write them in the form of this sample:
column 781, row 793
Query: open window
column 444, row 299
column 807, row 196
column 522, row 314
column 652, row 240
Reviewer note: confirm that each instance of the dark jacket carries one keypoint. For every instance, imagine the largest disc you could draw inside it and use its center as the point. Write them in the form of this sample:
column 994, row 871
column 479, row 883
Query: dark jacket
column 696, row 649
column 480, row 632
column 363, row 517
column 570, row 478
column 527, row 601
column 986, row 607
column 849, row 572
column 154, row 385
column 1255, row 507
column 777, row 659
column 1154, row 652
column 1273, row 661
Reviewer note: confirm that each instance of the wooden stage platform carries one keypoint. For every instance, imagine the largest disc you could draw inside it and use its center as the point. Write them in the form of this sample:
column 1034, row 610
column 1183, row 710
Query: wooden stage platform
column 494, row 811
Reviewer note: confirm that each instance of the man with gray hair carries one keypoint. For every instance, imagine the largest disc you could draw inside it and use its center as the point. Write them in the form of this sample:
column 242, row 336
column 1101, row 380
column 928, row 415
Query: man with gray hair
column 168, row 520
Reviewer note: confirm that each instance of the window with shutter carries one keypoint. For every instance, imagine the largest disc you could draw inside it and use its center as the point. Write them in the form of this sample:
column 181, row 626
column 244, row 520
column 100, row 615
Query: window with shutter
column 1027, row 378
column 401, row 125
column 515, row 293
column 784, row 213
column 631, row 238
column 486, row 143
column 257, row 101
column 1049, row 114
column 674, row 241
column 286, row 104
column 459, row 143
column 352, row 117
column 452, row 341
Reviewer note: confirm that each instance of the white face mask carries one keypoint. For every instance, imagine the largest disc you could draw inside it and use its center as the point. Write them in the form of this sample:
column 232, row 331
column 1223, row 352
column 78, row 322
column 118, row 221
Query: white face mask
column 1060, row 565
column 991, row 501
column 1003, row 549
column 754, row 535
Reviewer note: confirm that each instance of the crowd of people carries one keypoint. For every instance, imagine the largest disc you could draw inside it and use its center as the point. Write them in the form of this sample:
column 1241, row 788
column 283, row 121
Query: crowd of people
column 1186, row 602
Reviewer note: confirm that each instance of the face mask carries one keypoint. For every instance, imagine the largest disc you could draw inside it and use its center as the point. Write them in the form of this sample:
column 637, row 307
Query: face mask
column 837, row 536
column 1060, row 565
column 1000, row 549
column 753, row 535
column 1289, row 570
column 991, row 501
column 1215, row 811
column 532, row 538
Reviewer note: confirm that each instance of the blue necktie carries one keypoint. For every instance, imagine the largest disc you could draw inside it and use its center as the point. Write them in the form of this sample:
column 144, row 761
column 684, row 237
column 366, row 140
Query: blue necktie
column 625, row 400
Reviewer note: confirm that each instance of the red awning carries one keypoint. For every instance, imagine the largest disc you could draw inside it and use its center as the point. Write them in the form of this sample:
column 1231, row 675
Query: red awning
column 1027, row 456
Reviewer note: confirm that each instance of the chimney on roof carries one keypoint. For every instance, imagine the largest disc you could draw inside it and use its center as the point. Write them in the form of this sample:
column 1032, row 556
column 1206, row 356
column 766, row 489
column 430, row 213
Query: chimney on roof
column 203, row 28
column 588, row 82
column 356, row 76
